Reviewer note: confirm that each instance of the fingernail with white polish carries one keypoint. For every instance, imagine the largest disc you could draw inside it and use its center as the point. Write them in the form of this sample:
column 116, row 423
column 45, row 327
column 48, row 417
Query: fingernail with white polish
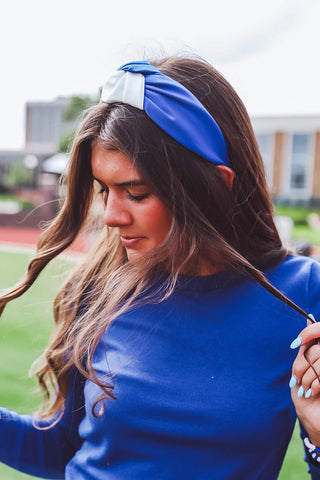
column 308, row 393
column 300, row 391
column 293, row 381
column 296, row 343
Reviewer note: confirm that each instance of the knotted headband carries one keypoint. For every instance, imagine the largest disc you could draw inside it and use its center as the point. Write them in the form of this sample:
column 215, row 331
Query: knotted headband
column 171, row 106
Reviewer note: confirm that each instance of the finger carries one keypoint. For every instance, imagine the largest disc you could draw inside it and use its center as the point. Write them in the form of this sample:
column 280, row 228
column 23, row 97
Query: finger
column 311, row 379
column 299, row 368
column 306, row 357
column 315, row 388
column 311, row 353
column 307, row 335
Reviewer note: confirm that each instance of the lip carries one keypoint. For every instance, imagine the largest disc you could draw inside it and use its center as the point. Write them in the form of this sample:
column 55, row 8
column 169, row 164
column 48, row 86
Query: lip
column 130, row 241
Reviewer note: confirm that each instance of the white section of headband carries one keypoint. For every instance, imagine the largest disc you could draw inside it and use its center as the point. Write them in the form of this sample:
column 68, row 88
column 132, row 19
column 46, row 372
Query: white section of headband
column 125, row 87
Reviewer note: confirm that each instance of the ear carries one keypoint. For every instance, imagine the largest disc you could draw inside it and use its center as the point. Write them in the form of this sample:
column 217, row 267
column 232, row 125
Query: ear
column 227, row 174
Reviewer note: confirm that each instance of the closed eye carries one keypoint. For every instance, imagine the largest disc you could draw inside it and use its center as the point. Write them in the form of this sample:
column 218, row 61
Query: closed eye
column 137, row 198
column 104, row 190
column 134, row 198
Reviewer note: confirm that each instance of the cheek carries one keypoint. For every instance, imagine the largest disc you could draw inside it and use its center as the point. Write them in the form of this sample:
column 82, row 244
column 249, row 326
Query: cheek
column 158, row 220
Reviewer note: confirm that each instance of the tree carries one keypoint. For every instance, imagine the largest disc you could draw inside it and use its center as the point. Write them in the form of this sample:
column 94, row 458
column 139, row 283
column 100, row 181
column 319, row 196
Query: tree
column 18, row 175
column 77, row 105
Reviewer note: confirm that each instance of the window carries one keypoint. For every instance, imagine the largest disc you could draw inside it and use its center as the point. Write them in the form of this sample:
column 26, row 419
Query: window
column 299, row 160
column 265, row 145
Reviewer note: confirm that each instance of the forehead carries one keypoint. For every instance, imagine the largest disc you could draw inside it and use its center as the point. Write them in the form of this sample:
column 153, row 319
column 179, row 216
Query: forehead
column 112, row 166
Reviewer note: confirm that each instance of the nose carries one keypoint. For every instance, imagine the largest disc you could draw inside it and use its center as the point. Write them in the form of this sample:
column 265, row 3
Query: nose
column 115, row 212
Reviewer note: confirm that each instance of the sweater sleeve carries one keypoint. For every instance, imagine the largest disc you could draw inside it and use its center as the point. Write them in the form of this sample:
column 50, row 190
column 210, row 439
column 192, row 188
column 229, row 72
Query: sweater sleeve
column 43, row 452
column 314, row 466
column 314, row 291
column 314, row 308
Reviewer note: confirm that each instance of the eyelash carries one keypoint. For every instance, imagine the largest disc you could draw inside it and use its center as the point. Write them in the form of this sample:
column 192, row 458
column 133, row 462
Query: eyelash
column 137, row 198
column 103, row 190
column 134, row 198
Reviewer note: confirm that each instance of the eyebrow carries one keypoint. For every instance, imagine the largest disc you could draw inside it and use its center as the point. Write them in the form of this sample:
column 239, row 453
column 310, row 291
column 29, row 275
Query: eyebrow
column 130, row 183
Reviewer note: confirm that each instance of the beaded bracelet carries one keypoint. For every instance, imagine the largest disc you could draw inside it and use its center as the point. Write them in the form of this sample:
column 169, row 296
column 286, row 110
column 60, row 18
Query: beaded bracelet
column 312, row 449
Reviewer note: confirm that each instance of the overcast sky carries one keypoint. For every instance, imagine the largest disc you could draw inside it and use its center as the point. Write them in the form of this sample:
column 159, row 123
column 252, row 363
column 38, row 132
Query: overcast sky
column 268, row 50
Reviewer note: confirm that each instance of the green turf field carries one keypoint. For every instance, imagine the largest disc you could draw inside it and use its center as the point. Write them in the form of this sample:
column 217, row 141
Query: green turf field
column 24, row 330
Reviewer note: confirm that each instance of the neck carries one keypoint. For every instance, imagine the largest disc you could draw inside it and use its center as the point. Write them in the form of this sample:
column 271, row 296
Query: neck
column 201, row 267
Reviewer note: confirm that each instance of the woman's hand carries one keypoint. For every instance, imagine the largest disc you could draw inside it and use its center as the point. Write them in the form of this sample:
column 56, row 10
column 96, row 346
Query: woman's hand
column 305, row 381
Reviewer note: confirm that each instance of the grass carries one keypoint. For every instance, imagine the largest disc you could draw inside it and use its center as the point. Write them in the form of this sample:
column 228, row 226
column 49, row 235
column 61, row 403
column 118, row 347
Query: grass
column 23, row 203
column 25, row 328
column 6, row 197
column 299, row 215
column 306, row 233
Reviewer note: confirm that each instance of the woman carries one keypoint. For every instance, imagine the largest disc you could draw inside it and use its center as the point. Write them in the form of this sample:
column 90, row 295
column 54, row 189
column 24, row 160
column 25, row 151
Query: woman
column 170, row 356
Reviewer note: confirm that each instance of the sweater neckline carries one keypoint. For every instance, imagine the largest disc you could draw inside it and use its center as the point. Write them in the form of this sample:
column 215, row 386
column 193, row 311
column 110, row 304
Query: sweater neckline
column 218, row 280
column 205, row 283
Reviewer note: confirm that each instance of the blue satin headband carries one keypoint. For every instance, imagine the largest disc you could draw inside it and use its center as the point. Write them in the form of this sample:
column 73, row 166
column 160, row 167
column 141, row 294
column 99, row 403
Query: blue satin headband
column 171, row 106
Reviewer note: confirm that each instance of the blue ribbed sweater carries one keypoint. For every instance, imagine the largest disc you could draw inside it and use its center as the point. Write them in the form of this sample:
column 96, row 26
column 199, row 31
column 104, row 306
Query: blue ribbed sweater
column 201, row 382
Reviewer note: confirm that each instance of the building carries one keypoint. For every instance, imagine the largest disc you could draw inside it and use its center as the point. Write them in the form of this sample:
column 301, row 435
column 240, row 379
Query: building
column 45, row 125
column 290, row 148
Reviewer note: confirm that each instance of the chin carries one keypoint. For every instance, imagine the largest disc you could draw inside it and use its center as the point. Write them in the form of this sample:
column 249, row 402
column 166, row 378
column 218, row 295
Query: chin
column 134, row 256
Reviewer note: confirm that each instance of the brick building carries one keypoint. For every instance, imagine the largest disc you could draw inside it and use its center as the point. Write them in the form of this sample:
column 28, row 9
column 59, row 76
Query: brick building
column 290, row 148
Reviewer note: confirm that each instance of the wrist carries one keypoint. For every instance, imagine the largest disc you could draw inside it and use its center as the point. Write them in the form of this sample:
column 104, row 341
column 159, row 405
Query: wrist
column 313, row 450
column 313, row 437
column 308, row 430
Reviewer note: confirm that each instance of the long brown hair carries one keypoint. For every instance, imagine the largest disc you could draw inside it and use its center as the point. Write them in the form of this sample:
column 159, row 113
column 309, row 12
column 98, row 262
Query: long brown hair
column 233, row 229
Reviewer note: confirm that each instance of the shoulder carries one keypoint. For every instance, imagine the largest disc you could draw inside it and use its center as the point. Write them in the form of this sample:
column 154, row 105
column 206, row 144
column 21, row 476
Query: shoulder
column 296, row 276
column 295, row 267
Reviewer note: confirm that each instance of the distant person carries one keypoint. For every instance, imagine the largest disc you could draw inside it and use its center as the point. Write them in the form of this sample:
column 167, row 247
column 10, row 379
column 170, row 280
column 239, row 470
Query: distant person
column 171, row 354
